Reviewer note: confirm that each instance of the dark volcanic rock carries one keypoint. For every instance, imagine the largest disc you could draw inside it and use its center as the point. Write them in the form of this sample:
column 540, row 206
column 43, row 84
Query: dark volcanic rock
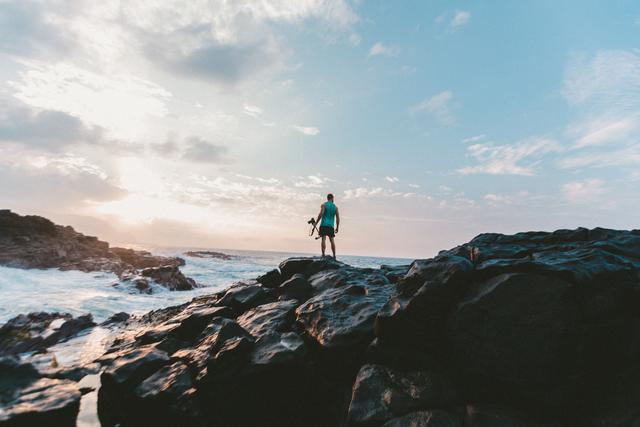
column 244, row 296
column 170, row 277
column 380, row 394
column 271, row 279
column 38, row 331
column 297, row 287
column 433, row 419
column 534, row 329
column 208, row 254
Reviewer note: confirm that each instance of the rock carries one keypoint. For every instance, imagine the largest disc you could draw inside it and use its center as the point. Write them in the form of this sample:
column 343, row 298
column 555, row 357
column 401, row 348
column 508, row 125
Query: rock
column 307, row 266
column 38, row 331
column 496, row 416
column 277, row 349
column 271, row 279
column 435, row 418
column 380, row 394
column 45, row 401
column 516, row 329
column 269, row 318
column 35, row 242
column 133, row 366
column 343, row 317
column 417, row 314
column 208, row 254
column 170, row 277
column 144, row 259
column 242, row 297
column 395, row 272
column 297, row 287
column 116, row 318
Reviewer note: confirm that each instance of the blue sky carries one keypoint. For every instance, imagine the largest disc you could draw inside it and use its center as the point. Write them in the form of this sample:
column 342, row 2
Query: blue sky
column 218, row 124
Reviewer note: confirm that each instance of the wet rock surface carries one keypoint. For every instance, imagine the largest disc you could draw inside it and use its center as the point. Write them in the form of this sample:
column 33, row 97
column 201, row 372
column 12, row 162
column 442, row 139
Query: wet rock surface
column 35, row 242
column 534, row 329
column 38, row 331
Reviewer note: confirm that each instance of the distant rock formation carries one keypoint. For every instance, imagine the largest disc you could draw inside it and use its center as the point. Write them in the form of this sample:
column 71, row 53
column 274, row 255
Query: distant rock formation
column 208, row 254
column 534, row 329
column 36, row 242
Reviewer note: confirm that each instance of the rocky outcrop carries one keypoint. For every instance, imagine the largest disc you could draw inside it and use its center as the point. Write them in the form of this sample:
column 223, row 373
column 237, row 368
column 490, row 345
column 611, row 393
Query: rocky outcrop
column 38, row 331
column 208, row 254
column 27, row 399
column 36, row 242
column 534, row 329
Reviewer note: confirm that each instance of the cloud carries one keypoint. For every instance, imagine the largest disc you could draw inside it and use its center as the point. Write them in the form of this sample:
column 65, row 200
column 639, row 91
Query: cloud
column 439, row 105
column 355, row 39
column 475, row 138
column 381, row 49
column 201, row 151
column 589, row 190
column 307, row 130
column 601, row 130
column 121, row 103
column 609, row 80
column 366, row 193
column 454, row 20
column 60, row 182
column 414, row 185
column 252, row 111
column 312, row 181
column 508, row 159
column 44, row 129
column 391, row 178
column 629, row 156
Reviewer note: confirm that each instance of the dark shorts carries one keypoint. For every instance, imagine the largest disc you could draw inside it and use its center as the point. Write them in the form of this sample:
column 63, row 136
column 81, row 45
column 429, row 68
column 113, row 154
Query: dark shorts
column 326, row 231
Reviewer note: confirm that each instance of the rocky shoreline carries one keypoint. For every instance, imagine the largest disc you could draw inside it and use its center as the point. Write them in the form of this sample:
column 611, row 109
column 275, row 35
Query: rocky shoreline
column 533, row 329
column 35, row 242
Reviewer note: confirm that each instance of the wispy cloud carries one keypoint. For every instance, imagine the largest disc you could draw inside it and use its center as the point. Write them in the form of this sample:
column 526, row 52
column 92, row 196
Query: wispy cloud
column 381, row 49
column 475, row 138
column 307, row 130
column 454, row 20
column 440, row 105
column 312, row 181
column 392, row 178
column 252, row 111
column 365, row 193
column 588, row 190
column 509, row 159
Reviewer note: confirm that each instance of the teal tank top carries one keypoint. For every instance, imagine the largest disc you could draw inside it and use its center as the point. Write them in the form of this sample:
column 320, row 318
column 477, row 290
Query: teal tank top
column 329, row 214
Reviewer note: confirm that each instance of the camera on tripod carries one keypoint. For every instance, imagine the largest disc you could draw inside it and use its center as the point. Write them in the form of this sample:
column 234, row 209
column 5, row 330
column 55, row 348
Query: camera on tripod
column 312, row 221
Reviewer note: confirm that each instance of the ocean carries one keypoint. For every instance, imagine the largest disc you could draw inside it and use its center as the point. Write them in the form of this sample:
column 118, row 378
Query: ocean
column 102, row 295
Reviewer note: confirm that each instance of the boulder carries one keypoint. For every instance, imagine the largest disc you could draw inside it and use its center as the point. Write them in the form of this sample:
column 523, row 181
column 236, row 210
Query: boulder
column 380, row 394
column 435, row 418
column 307, row 266
column 269, row 318
column 38, row 331
column 297, row 287
column 170, row 277
column 242, row 296
column 132, row 366
column 343, row 317
column 44, row 401
column 271, row 279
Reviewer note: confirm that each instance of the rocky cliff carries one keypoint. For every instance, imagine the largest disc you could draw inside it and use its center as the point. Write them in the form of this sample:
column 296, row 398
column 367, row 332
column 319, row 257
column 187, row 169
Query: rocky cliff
column 35, row 242
column 533, row 329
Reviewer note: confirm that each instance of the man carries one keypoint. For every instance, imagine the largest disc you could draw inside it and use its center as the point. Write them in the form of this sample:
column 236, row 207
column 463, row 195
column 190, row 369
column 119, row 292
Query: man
column 328, row 211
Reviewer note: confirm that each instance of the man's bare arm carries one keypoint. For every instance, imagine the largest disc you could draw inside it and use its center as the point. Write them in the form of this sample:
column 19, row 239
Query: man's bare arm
column 320, row 214
column 337, row 219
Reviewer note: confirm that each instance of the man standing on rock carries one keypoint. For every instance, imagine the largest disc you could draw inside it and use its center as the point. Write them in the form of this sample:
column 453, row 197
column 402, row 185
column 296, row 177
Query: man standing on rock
column 328, row 211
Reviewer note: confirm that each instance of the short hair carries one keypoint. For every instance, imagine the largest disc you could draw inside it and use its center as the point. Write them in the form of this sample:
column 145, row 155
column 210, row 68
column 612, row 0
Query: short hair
column 329, row 196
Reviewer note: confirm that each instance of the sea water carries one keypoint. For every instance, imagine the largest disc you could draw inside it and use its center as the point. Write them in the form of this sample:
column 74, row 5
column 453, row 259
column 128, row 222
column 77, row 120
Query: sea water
column 102, row 295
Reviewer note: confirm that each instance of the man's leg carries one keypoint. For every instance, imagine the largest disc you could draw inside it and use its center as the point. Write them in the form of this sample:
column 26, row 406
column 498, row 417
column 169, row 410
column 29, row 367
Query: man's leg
column 333, row 247
column 323, row 245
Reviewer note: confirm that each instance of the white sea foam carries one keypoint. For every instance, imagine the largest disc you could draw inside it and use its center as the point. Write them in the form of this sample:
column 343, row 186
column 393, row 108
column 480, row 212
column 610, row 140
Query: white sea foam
column 24, row 291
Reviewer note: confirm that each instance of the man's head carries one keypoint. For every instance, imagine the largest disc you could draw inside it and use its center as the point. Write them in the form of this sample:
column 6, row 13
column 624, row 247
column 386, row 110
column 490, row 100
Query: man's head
column 330, row 197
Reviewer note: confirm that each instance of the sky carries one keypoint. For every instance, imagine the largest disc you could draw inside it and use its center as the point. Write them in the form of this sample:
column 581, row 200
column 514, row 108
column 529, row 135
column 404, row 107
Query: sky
column 224, row 124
